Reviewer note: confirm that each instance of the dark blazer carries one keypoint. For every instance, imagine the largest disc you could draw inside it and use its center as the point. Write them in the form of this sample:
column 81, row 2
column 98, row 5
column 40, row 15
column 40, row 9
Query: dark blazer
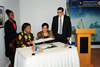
column 66, row 32
column 10, row 35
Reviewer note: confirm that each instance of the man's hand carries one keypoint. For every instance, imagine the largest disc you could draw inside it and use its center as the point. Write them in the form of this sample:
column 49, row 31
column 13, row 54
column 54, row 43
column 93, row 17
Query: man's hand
column 68, row 38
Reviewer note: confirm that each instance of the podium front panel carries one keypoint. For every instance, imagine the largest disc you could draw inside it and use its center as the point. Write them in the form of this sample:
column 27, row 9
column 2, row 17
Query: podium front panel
column 83, row 44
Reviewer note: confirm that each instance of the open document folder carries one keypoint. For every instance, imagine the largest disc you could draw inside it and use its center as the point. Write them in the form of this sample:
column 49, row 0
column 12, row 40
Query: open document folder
column 45, row 46
column 44, row 40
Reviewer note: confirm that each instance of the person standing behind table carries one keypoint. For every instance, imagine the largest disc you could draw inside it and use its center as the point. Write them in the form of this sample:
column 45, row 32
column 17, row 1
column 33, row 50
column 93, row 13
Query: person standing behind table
column 61, row 26
column 10, row 29
column 25, row 38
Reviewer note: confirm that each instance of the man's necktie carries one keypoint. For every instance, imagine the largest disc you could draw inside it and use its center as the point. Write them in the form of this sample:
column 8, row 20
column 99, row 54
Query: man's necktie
column 60, row 26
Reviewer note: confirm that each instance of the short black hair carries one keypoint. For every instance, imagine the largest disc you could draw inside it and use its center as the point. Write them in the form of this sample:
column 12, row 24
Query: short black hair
column 8, row 11
column 25, row 25
column 45, row 24
column 61, row 8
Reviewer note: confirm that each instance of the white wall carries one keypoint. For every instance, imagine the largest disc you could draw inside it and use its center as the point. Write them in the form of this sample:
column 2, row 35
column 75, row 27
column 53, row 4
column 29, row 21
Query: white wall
column 3, row 59
column 14, row 6
column 37, row 12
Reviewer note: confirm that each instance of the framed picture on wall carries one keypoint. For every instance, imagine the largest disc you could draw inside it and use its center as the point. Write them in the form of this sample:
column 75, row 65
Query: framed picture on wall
column 2, row 16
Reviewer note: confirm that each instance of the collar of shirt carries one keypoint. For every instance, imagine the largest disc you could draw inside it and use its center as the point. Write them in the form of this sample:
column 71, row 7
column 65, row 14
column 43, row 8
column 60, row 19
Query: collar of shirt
column 62, row 18
column 26, row 34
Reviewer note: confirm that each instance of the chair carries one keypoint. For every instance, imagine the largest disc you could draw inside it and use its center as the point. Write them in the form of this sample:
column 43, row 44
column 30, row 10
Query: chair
column 15, row 41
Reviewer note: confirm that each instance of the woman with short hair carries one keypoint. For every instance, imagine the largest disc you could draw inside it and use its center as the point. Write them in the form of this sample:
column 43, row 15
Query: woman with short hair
column 45, row 33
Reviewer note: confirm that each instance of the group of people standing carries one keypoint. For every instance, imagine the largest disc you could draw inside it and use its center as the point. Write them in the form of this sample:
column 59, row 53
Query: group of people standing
column 60, row 30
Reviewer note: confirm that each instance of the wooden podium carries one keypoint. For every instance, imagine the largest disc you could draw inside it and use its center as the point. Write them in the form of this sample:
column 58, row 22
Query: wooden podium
column 83, row 43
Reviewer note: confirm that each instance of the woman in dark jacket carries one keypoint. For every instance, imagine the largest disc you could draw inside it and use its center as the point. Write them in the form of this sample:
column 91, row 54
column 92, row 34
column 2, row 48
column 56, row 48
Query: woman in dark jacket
column 10, row 34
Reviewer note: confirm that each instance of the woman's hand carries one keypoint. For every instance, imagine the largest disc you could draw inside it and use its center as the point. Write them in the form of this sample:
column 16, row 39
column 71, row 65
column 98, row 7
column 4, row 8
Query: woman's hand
column 10, row 45
column 31, row 42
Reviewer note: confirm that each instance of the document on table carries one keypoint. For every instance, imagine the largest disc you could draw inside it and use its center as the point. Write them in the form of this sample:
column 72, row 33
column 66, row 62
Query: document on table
column 44, row 40
column 44, row 46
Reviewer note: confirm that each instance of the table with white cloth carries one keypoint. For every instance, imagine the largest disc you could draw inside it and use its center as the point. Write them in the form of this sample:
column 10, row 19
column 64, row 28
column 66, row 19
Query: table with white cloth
column 59, row 56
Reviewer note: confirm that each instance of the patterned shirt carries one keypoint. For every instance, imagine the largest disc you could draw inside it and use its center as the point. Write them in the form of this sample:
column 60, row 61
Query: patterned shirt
column 40, row 35
column 24, row 39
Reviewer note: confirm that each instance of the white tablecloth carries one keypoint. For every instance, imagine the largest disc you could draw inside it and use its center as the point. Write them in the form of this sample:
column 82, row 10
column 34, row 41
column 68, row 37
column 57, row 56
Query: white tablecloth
column 53, row 57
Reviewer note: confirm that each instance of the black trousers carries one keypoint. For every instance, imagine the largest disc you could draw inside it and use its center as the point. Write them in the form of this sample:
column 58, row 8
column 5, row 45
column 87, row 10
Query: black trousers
column 61, row 38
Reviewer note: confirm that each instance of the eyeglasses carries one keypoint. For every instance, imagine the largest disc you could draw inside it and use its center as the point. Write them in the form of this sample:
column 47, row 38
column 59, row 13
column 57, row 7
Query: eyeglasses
column 59, row 12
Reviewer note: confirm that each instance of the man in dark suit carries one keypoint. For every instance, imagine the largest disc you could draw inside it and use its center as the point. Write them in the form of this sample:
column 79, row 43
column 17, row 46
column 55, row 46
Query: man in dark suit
column 61, row 26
